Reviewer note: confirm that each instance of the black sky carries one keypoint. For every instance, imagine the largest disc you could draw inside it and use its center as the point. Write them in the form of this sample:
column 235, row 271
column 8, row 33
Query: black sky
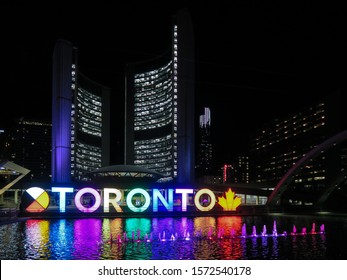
column 255, row 60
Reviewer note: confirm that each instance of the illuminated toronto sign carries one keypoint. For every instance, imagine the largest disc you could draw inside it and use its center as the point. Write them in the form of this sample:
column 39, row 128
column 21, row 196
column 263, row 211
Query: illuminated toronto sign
column 136, row 200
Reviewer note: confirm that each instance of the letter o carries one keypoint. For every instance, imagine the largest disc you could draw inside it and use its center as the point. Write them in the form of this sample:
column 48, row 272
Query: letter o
column 87, row 209
column 197, row 202
column 130, row 204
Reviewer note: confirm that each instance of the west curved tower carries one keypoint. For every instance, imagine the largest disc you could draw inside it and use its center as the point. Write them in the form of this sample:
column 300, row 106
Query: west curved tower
column 80, row 119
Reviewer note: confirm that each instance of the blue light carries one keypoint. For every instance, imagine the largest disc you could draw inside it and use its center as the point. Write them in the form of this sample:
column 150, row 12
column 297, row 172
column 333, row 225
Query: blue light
column 62, row 196
column 168, row 204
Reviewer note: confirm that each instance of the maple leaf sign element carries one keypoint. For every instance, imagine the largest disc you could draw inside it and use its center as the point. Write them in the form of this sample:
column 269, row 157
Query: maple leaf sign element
column 230, row 202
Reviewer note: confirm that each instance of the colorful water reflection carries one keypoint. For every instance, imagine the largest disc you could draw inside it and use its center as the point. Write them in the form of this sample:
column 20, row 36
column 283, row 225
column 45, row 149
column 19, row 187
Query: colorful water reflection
column 87, row 238
column 36, row 238
column 157, row 238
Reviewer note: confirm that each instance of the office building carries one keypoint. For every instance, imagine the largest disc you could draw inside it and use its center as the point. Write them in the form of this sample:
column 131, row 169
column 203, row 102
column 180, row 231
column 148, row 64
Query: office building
column 80, row 119
column 280, row 144
column 204, row 160
column 159, row 113
column 28, row 144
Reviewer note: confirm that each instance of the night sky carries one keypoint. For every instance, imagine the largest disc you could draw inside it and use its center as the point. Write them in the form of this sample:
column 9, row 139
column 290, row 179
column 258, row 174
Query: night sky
column 254, row 62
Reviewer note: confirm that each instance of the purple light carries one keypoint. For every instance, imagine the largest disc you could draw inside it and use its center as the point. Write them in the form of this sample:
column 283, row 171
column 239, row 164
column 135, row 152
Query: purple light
column 84, row 209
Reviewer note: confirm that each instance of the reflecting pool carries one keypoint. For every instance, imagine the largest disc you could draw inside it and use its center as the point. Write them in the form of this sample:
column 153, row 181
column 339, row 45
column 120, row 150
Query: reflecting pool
column 179, row 238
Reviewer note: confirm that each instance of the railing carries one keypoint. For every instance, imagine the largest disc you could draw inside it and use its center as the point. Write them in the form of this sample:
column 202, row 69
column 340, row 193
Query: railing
column 7, row 213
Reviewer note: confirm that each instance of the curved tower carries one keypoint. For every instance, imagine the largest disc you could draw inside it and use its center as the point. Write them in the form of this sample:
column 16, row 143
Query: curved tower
column 80, row 119
column 159, row 121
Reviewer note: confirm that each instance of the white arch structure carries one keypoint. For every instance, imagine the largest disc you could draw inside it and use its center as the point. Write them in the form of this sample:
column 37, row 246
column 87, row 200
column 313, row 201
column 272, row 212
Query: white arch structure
column 296, row 168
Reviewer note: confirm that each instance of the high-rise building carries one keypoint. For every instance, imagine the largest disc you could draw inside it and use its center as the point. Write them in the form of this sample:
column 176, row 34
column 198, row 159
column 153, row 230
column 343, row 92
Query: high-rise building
column 80, row 119
column 159, row 113
column 242, row 169
column 28, row 144
column 237, row 171
column 278, row 145
column 204, row 160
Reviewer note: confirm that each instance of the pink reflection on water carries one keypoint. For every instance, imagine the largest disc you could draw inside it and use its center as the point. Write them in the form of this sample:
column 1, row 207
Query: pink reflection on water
column 87, row 238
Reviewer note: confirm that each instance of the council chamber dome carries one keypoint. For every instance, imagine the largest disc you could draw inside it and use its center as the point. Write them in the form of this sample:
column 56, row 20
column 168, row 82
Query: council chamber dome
column 123, row 175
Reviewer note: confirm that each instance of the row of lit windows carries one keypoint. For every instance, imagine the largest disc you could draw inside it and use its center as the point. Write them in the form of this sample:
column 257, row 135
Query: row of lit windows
column 92, row 120
column 290, row 127
column 289, row 158
column 145, row 89
column 93, row 99
column 147, row 115
column 153, row 149
column 316, row 178
column 263, row 142
column 90, row 125
column 298, row 120
column 148, row 160
column 156, row 113
column 151, row 73
column 143, row 149
column 157, row 88
column 158, row 156
column 35, row 123
column 124, row 174
column 89, row 148
column 153, row 96
column 163, row 166
column 152, row 142
column 147, row 127
column 152, row 110
column 88, row 113
column 87, row 164
column 159, row 100
column 84, row 102
column 160, row 118
column 154, row 123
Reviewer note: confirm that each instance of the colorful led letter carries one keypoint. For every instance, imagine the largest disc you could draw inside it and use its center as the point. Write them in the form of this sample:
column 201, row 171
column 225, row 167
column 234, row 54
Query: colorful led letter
column 130, row 204
column 184, row 193
column 197, row 201
column 62, row 196
column 92, row 208
column 168, row 204
column 113, row 201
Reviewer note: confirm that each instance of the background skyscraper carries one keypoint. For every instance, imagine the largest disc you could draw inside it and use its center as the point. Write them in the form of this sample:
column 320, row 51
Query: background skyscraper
column 159, row 121
column 204, row 161
column 278, row 145
column 28, row 144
